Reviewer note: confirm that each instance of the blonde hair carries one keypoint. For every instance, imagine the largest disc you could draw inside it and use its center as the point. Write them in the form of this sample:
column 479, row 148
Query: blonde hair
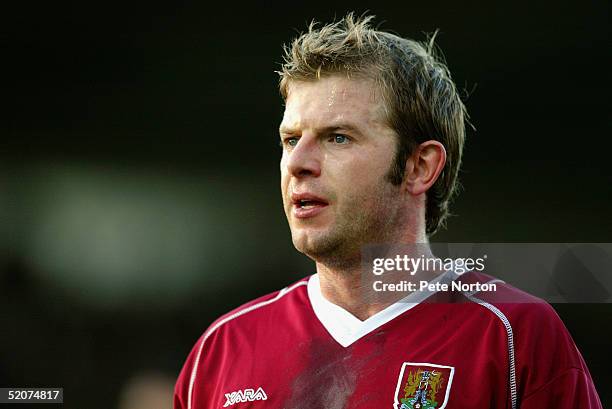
column 420, row 98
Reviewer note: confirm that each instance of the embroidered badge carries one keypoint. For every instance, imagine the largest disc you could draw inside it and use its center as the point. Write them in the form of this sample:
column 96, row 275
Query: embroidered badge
column 423, row 386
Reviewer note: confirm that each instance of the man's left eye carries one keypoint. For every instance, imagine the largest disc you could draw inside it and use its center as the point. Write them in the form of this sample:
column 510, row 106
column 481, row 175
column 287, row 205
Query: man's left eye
column 340, row 139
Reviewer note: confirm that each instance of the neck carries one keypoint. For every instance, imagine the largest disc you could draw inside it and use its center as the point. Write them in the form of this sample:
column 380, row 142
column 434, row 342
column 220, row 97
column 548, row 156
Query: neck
column 348, row 286
column 345, row 288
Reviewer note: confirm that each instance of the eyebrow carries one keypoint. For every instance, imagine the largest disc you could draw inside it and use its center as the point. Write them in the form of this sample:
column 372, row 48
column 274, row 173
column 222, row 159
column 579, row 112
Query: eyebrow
column 325, row 130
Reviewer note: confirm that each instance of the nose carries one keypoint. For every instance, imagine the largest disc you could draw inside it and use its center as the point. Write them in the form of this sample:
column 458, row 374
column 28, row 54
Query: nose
column 305, row 158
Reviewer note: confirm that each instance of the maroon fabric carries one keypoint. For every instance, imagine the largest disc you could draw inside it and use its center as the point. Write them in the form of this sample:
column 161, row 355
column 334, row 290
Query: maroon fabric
column 283, row 349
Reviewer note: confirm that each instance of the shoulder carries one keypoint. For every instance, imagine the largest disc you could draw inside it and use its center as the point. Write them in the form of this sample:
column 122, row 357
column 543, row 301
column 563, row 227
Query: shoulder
column 242, row 319
column 530, row 320
column 539, row 345
column 517, row 306
column 286, row 299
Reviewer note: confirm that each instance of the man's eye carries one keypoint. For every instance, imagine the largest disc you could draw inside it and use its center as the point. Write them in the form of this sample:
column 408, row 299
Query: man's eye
column 291, row 142
column 339, row 139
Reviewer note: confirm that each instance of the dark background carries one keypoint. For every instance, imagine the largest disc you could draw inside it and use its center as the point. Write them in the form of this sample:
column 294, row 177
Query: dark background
column 139, row 168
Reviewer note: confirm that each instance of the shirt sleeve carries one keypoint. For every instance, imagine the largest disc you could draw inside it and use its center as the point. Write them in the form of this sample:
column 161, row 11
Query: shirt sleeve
column 571, row 389
column 181, row 388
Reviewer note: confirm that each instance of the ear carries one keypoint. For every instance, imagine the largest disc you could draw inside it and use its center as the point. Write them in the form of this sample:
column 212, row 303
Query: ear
column 424, row 167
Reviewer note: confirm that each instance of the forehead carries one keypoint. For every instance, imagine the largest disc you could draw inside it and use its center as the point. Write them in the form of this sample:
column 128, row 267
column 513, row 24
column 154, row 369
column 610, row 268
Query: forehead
column 332, row 100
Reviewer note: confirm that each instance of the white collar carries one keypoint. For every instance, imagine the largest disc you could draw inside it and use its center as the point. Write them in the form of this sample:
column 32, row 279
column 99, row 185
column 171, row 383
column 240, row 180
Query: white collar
column 345, row 328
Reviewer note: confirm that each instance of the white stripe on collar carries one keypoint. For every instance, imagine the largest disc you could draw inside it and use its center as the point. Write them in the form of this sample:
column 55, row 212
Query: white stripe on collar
column 345, row 328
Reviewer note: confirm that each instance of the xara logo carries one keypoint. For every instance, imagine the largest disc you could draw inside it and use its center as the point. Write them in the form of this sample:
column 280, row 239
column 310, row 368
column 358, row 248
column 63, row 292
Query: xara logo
column 248, row 395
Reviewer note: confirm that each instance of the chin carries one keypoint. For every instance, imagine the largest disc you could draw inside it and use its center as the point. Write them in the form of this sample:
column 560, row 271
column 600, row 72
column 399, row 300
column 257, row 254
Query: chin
column 305, row 241
column 318, row 246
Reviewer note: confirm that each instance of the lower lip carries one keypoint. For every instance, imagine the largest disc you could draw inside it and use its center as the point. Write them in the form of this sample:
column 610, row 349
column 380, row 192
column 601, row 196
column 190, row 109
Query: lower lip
column 305, row 213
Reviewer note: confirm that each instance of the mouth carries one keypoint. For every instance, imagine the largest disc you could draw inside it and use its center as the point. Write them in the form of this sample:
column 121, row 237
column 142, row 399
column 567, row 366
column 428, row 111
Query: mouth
column 306, row 205
column 309, row 204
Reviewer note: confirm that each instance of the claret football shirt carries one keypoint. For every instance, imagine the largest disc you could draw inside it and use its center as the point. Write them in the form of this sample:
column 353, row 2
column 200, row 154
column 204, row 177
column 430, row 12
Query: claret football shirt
column 293, row 349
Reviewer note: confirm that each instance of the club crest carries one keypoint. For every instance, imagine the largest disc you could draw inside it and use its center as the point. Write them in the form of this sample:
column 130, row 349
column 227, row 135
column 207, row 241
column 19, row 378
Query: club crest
column 423, row 386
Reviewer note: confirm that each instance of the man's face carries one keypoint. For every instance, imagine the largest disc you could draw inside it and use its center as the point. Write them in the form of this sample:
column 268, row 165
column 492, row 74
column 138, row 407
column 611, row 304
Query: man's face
column 337, row 152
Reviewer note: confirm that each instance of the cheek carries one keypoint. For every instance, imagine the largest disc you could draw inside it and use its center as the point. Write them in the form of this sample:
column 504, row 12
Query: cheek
column 283, row 171
column 284, row 184
column 364, row 184
column 361, row 174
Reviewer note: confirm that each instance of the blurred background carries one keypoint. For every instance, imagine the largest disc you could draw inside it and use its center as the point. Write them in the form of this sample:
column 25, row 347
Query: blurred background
column 139, row 181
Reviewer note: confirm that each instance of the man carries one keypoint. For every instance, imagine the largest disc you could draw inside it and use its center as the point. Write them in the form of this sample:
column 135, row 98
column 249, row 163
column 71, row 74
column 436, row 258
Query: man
column 372, row 137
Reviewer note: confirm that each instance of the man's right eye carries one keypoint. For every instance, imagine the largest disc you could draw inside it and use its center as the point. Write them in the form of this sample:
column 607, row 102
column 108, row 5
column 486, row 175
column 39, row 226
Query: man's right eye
column 291, row 142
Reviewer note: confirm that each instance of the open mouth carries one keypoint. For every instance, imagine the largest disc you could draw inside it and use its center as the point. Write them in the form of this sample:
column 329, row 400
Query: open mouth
column 309, row 204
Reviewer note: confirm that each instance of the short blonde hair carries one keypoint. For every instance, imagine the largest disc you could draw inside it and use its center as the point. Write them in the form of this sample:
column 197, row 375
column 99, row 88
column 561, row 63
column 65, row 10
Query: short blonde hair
column 421, row 100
